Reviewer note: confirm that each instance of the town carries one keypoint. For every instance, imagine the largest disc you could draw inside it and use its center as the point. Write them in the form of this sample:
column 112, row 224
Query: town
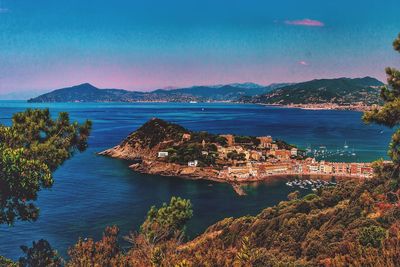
column 241, row 159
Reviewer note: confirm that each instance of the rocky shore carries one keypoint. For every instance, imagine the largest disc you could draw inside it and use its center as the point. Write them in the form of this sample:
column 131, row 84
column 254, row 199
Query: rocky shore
column 162, row 148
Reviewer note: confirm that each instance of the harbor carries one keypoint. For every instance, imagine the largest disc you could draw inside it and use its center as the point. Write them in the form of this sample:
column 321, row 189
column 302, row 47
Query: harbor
column 312, row 184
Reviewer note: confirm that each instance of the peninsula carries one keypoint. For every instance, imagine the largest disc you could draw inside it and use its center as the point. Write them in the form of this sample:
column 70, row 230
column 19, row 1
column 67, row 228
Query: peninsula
column 361, row 94
column 168, row 149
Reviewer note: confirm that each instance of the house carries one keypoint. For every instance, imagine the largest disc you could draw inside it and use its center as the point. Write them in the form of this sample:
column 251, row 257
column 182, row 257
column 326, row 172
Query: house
column 275, row 168
column 326, row 168
column 313, row 168
column 162, row 154
column 355, row 168
column 186, row 137
column 193, row 163
column 241, row 172
column 293, row 151
column 281, row 154
column 204, row 153
column 265, row 141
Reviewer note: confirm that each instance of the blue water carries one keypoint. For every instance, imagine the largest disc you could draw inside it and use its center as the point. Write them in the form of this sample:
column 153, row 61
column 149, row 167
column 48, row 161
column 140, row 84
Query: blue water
column 91, row 192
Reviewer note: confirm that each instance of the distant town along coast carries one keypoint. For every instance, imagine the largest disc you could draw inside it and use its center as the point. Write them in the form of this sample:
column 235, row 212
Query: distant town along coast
column 168, row 149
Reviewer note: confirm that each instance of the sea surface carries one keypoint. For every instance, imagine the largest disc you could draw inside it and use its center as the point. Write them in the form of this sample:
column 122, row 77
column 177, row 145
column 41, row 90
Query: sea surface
column 91, row 191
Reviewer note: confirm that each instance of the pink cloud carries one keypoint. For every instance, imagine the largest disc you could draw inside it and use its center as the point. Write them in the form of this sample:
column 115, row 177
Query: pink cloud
column 305, row 22
column 304, row 63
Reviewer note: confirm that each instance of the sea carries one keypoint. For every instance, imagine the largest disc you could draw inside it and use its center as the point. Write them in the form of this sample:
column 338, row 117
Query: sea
column 91, row 191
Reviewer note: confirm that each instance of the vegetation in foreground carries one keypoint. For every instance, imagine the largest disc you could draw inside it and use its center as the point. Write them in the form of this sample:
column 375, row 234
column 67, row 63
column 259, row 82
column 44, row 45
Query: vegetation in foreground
column 353, row 224
column 31, row 149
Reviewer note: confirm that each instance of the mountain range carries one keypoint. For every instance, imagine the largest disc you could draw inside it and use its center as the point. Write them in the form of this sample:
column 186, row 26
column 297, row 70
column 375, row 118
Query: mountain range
column 89, row 93
column 340, row 91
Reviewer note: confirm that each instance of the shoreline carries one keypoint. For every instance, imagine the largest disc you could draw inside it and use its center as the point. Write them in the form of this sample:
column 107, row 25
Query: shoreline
column 325, row 106
column 298, row 106
column 198, row 173
column 237, row 184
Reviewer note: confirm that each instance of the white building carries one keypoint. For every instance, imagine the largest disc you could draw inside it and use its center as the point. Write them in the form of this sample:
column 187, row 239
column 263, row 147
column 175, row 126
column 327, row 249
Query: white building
column 293, row 151
column 193, row 163
column 162, row 154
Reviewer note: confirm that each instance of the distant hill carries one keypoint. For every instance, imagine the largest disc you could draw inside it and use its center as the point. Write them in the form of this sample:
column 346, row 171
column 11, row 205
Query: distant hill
column 339, row 91
column 89, row 93
column 20, row 95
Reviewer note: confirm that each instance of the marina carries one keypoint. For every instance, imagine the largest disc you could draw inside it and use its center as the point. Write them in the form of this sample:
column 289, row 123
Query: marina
column 312, row 184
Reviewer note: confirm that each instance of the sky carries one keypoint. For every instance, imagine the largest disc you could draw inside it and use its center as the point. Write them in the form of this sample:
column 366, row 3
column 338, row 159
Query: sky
column 149, row 44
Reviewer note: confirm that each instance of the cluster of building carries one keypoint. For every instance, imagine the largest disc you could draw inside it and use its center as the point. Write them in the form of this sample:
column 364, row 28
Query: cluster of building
column 267, row 159
column 308, row 166
column 265, row 150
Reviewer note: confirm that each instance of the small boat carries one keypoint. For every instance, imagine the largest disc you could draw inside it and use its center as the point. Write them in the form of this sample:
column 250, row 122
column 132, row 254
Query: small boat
column 345, row 145
column 289, row 184
column 193, row 102
column 314, row 189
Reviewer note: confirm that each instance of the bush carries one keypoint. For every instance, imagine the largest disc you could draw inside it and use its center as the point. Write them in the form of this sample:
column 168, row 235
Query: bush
column 372, row 236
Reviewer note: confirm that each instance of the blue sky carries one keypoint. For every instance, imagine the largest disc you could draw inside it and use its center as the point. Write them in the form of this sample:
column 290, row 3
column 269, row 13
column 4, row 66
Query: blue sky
column 142, row 45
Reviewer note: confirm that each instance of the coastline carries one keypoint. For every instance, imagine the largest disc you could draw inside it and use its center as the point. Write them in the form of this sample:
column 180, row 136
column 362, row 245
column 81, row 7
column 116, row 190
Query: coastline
column 210, row 174
column 168, row 149
column 314, row 106
column 325, row 106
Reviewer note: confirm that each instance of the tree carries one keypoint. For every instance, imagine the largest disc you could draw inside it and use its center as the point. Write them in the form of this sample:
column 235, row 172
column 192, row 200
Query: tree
column 7, row 262
column 389, row 114
column 105, row 252
column 40, row 254
column 293, row 195
column 167, row 221
column 372, row 236
column 32, row 148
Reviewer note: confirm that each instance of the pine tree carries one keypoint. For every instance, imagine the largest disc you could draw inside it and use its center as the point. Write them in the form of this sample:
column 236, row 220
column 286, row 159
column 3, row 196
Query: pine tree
column 389, row 114
column 32, row 148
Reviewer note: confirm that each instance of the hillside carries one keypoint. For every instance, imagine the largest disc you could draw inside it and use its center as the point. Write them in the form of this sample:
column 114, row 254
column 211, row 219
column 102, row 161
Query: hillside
column 89, row 93
column 153, row 132
column 356, row 223
column 342, row 91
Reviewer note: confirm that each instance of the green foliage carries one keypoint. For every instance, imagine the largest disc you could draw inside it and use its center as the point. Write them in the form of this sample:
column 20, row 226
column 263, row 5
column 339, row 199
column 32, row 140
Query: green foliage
column 310, row 197
column 221, row 141
column 157, row 257
column 234, row 155
column 7, row 262
column 283, row 145
column 168, row 221
column 30, row 150
column 372, row 236
column 293, row 195
column 40, row 254
column 339, row 91
column 246, row 251
column 389, row 114
column 154, row 132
